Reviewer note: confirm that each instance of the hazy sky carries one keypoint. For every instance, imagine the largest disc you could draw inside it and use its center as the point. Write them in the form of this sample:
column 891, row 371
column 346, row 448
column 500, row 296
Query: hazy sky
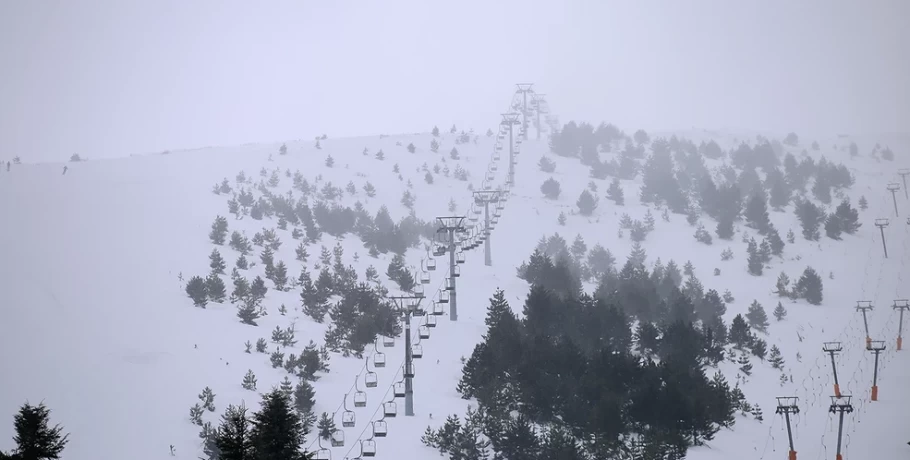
column 115, row 77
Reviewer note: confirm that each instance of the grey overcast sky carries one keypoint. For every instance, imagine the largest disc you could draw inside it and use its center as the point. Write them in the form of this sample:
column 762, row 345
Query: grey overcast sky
column 114, row 77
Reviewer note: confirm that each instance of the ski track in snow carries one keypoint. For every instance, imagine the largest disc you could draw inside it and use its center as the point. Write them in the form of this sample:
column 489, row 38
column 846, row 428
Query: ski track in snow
column 95, row 322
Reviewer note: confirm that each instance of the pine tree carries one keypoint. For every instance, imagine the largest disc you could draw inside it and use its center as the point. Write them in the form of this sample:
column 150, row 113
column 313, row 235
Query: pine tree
column 208, row 399
column 249, row 381
column 847, row 217
column 304, row 397
column 219, row 230
column 435, row 131
column 744, row 365
column 196, row 290
column 216, row 263
column 775, row 358
column 775, row 242
column 810, row 218
column 863, row 204
column 326, row 426
column 518, row 440
column 233, row 435
column 688, row 268
column 757, row 317
column 759, row 348
column 561, row 219
column 739, row 332
column 810, row 286
column 587, row 203
column 34, row 438
column 756, row 212
column 615, row 193
column 277, row 432
column 833, row 227
column 214, row 288
column 287, row 387
column 755, row 263
column 241, row 289
column 783, row 283
column 248, row 311
column 280, row 277
column 780, row 312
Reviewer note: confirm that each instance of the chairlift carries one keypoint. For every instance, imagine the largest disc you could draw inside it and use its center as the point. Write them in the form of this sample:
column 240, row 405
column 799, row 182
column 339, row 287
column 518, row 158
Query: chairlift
column 388, row 342
column 409, row 370
column 438, row 309
column 368, row 448
column 323, row 454
column 496, row 156
column 379, row 359
column 424, row 277
column 439, row 251
column 431, row 321
column 390, row 409
column 380, row 428
column 450, row 283
column 417, row 351
column 443, row 296
column 348, row 418
column 360, row 398
column 490, row 175
column 418, row 310
column 459, row 257
column 371, row 379
column 398, row 389
column 423, row 332
column 498, row 148
column 500, row 205
column 477, row 210
column 456, row 271
column 431, row 263
column 338, row 438
column 494, row 167
column 418, row 290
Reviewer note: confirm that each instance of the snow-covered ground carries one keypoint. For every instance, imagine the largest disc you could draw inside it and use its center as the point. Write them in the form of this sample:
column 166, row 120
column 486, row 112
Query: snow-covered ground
column 95, row 322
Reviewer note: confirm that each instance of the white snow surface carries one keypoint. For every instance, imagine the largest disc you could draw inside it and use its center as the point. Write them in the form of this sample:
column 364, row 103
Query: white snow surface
column 94, row 322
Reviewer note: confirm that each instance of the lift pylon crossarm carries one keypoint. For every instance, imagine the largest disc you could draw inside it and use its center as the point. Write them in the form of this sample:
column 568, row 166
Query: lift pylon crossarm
column 881, row 224
column 832, row 347
column 786, row 405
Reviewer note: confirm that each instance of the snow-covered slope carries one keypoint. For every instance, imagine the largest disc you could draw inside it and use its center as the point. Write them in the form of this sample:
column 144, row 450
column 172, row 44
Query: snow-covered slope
column 95, row 322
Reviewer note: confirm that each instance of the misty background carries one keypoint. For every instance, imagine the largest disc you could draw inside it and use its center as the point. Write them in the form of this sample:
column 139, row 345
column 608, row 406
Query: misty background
column 107, row 78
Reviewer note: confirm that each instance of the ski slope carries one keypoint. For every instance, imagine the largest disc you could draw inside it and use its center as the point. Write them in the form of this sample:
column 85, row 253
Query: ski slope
column 96, row 323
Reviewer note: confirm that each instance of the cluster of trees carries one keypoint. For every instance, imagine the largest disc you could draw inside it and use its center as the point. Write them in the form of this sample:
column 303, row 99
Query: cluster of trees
column 571, row 366
column 277, row 431
column 380, row 233
column 35, row 438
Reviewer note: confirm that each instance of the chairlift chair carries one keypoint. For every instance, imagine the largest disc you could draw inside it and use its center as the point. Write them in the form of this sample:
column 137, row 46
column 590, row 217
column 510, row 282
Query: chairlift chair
column 431, row 321
column 496, row 156
column 439, row 251
column 418, row 290
column 371, row 379
column 338, row 438
column 438, row 309
column 348, row 419
column 418, row 310
column 390, row 409
column 498, row 148
column 417, row 351
column 424, row 277
column 494, row 167
column 398, row 389
column 490, row 175
column 368, row 448
column 456, row 271
column 459, row 257
column 431, row 263
column 423, row 331
column 443, row 296
column 388, row 342
column 449, row 284
column 323, row 454
column 409, row 370
column 360, row 398
column 501, row 205
column 379, row 359
column 380, row 428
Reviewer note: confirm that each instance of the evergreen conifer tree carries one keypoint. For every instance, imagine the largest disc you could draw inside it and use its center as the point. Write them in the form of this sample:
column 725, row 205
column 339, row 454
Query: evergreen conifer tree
column 196, row 290
column 214, row 288
column 325, row 426
column 757, row 317
column 277, row 432
column 848, row 217
column 810, row 286
column 219, row 230
column 249, row 381
column 587, row 203
column 780, row 312
column 775, row 358
column 739, row 332
column 755, row 263
column 35, row 440
column 615, row 192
